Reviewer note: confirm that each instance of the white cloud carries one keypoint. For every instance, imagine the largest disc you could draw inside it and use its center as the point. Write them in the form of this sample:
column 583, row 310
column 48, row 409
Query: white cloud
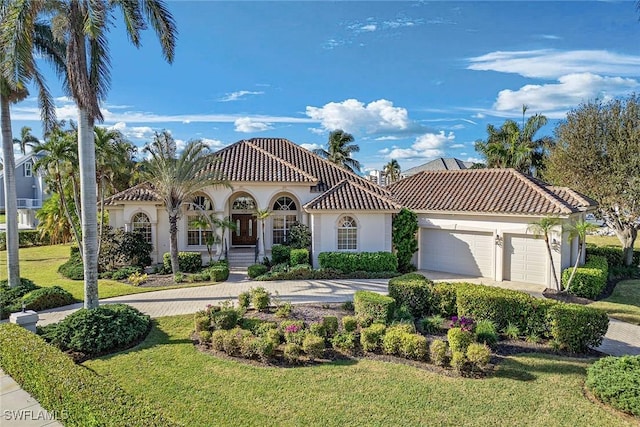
column 571, row 90
column 456, row 146
column 474, row 160
column 310, row 147
column 552, row 64
column 214, row 144
column 388, row 138
column 236, row 96
column 354, row 116
column 135, row 132
column 369, row 27
column 549, row 37
column 479, row 116
column 402, row 22
column 427, row 146
column 384, row 151
column 249, row 125
column 317, row 131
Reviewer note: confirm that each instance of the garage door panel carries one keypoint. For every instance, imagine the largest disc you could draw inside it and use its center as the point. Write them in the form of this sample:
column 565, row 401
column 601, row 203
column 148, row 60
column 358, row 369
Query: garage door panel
column 460, row 252
column 525, row 259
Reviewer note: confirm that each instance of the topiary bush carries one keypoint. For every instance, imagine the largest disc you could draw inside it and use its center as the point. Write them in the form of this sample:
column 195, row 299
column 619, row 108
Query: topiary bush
column 613, row 254
column 412, row 290
column 313, row 345
column 348, row 262
column 292, row 352
column 61, row 386
column 330, row 325
column 372, row 307
column 218, row 273
column 459, row 339
column 257, row 270
column 371, row 337
column 188, row 262
column 577, row 327
column 226, row 318
column 443, row 298
column 616, row 382
column 344, row 342
column 45, row 298
column 392, row 340
column 260, row 298
column 590, row 279
column 414, row 346
column 280, row 254
column 299, row 256
column 91, row 331
column 350, row 323
column 438, row 352
column 478, row 355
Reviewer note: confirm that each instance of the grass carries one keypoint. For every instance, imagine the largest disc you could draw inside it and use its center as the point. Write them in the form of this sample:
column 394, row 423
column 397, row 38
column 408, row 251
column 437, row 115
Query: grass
column 201, row 390
column 609, row 241
column 41, row 263
column 2, row 219
column 624, row 303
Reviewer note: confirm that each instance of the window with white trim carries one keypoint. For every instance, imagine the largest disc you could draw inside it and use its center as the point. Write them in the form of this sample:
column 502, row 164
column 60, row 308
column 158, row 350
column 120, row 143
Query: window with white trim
column 347, row 234
column 140, row 224
column 28, row 169
column 284, row 216
column 198, row 227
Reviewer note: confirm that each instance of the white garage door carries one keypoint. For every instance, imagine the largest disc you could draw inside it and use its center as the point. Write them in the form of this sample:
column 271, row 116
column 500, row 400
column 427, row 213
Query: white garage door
column 460, row 252
column 525, row 259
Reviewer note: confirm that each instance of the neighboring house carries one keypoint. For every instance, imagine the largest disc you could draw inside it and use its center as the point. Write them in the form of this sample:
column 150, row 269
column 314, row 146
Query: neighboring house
column 438, row 164
column 472, row 222
column 476, row 222
column 30, row 191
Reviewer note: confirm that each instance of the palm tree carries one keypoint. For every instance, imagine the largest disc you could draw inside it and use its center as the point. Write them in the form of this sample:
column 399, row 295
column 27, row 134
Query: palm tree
column 339, row 150
column 544, row 227
column 392, row 171
column 578, row 229
column 17, row 69
column 27, row 139
column 85, row 26
column 262, row 215
column 178, row 177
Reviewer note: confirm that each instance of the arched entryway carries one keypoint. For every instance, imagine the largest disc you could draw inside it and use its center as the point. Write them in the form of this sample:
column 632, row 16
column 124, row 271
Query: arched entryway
column 243, row 208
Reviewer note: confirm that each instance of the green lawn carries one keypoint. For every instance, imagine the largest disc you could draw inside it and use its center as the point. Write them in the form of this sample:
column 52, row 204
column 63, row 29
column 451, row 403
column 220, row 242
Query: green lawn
column 41, row 263
column 196, row 389
column 2, row 220
column 609, row 241
column 624, row 302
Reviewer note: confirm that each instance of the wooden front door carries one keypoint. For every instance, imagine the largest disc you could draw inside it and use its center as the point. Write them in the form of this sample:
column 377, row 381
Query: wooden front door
column 246, row 230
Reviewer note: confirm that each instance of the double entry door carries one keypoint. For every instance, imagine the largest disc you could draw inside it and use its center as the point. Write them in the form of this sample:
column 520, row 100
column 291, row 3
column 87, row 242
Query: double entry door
column 246, row 230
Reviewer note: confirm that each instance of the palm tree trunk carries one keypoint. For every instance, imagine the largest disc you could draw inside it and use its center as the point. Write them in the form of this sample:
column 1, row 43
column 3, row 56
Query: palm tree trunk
column 87, row 164
column 10, row 198
column 575, row 267
column 553, row 266
column 100, row 231
column 173, row 243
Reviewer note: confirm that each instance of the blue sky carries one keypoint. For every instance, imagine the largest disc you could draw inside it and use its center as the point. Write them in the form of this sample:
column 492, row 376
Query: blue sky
column 410, row 80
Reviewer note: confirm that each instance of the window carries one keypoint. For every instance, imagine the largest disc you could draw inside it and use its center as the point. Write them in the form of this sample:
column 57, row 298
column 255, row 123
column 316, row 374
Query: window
column 347, row 234
column 198, row 227
column 244, row 203
column 200, row 203
column 28, row 166
column 141, row 224
column 284, row 216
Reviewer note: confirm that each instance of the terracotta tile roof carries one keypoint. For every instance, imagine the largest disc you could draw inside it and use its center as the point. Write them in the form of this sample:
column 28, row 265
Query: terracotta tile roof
column 486, row 190
column 348, row 195
column 441, row 163
column 143, row 192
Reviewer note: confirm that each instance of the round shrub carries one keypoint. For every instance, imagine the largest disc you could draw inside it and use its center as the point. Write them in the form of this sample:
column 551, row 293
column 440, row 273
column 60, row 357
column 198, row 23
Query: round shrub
column 201, row 321
column 225, row 319
column 414, row 346
column 280, row 254
column 412, row 290
column 299, row 256
column 344, row 342
column 616, row 381
column 318, row 329
column 232, row 340
column 218, row 273
column 249, row 347
column 217, row 339
column 205, row 337
column 265, row 347
column 373, row 308
column 314, row 346
column 292, row 352
column 478, row 355
column 244, row 299
column 350, row 323
column 371, row 337
column 459, row 340
column 260, row 298
column 257, row 270
column 392, row 340
column 438, row 352
column 458, row 361
column 10, row 298
column 100, row 329
column 330, row 324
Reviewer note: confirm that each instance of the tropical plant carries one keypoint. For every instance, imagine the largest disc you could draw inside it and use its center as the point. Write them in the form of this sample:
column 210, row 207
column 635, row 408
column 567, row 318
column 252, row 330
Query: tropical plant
column 210, row 237
column 339, row 150
column 514, row 146
column 52, row 222
column 544, row 228
column 404, row 236
column 85, row 26
column 178, row 177
column 27, row 139
column 392, row 171
column 578, row 229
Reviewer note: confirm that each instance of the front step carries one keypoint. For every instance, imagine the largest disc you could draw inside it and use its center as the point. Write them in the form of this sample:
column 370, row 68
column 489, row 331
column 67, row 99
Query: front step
column 241, row 258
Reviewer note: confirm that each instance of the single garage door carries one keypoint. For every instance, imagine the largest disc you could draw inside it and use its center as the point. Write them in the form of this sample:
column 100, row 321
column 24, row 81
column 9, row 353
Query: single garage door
column 525, row 259
column 460, row 252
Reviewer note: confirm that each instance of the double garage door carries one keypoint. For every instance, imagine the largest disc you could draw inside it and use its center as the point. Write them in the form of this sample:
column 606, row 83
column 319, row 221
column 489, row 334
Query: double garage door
column 472, row 253
column 460, row 252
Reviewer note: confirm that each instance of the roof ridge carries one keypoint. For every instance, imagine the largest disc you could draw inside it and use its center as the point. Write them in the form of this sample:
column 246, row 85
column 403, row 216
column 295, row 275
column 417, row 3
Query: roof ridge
column 142, row 184
column 281, row 160
column 362, row 187
column 563, row 205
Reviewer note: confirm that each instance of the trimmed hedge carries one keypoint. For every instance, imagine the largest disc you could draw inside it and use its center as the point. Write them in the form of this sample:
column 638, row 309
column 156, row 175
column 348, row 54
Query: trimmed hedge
column 74, row 268
column 256, row 270
column 218, row 273
column 614, row 255
column 280, row 254
column 443, row 299
column 616, row 381
column 577, row 327
column 92, row 331
column 80, row 395
column 188, row 262
column 26, row 238
column 11, row 298
column 412, row 290
column 590, row 279
column 373, row 308
column 45, row 298
column 299, row 256
column 348, row 262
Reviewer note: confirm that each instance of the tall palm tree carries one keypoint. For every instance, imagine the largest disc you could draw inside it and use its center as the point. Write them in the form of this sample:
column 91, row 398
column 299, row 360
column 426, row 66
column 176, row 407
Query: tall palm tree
column 27, row 139
column 85, row 25
column 578, row 229
column 177, row 177
column 18, row 68
column 339, row 150
column 392, row 171
column 543, row 228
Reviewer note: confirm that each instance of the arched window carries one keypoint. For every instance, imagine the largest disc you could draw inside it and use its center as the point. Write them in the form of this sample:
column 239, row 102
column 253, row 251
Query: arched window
column 140, row 223
column 199, row 229
column 347, row 234
column 244, row 203
column 284, row 216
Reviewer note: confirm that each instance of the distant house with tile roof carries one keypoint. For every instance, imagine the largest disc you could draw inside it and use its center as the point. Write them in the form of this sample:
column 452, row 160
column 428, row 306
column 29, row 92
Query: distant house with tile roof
column 472, row 222
column 441, row 163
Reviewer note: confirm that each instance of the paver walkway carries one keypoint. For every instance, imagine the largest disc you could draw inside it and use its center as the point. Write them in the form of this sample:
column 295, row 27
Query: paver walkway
column 19, row 409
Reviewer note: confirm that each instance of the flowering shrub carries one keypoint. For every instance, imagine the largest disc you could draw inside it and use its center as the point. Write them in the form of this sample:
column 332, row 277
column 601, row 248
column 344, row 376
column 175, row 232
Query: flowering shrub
column 462, row 322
